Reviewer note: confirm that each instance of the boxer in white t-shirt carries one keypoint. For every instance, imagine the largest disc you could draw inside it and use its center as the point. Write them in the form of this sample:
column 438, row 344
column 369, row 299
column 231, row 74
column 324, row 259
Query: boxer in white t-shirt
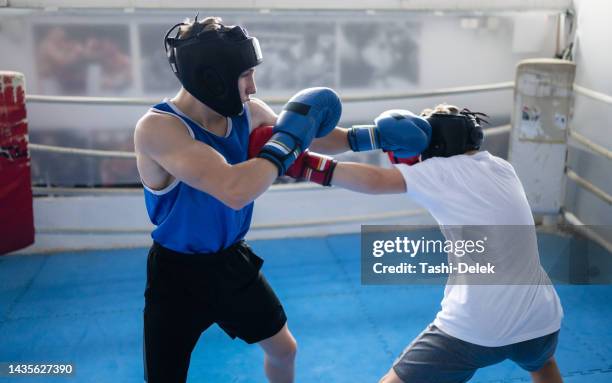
column 478, row 324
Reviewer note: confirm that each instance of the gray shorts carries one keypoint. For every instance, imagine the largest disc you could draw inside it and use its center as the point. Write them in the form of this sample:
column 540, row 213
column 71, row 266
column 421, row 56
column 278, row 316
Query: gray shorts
column 437, row 357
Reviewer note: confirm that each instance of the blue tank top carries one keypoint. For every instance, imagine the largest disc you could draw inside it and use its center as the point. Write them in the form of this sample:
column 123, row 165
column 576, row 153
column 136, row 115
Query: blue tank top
column 189, row 220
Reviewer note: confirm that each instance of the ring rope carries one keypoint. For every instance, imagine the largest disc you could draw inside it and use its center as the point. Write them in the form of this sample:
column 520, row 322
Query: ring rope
column 45, row 190
column 265, row 226
column 598, row 149
column 273, row 100
column 342, row 219
column 580, row 227
column 593, row 94
column 429, row 93
column 589, row 186
column 79, row 151
column 497, row 130
column 119, row 154
column 88, row 100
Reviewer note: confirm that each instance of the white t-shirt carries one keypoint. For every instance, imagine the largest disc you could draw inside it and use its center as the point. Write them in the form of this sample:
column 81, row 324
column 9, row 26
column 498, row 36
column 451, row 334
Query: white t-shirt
column 482, row 189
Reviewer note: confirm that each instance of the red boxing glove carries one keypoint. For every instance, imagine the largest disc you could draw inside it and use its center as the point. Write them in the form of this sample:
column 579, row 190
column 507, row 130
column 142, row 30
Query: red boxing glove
column 408, row 160
column 313, row 167
column 258, row 138
column 308, row 166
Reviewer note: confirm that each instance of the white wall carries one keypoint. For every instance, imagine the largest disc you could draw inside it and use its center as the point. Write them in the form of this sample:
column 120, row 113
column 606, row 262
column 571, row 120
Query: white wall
column 454, row 49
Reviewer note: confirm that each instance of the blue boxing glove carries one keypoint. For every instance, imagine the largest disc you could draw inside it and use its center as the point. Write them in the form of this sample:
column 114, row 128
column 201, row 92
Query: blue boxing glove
column 312, row 112
column 397, row 130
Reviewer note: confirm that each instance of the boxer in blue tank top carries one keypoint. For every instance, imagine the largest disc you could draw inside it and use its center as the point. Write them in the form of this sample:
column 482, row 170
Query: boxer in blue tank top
column 188, row 220
column 199, row 192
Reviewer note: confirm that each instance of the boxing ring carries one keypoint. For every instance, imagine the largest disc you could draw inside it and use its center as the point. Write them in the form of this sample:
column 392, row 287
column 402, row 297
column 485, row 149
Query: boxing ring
column 82, row 305
column 84, row 308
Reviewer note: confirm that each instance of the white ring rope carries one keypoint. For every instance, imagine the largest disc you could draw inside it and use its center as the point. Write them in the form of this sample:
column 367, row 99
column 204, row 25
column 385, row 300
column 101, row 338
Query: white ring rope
column 275, row 100
column 83, row 152
column 428, row 93
column 93, row 230
column 598, row 149
column 497, row 130
column 572, row 175
column 45, row 190
column 579, row 226
column 265, row 226
column 593, row 94
column 343, row 219
column 125, row 101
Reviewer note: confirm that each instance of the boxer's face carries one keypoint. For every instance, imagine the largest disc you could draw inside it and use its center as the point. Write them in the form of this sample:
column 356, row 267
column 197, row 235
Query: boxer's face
column 246, row 84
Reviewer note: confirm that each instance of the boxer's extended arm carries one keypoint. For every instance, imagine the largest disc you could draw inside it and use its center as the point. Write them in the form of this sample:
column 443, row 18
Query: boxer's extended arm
column 335, row 142
column 368, row 179
column 167, row 141
column 395, row 130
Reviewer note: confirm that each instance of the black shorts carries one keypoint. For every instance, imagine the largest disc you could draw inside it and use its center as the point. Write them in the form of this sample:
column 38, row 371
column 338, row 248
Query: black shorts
column 187, row 293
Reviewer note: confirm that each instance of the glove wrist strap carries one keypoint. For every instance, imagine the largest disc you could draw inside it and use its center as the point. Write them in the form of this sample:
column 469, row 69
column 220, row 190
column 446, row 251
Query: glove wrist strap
column 363, row 138
column 282, row 150
column 322, row 172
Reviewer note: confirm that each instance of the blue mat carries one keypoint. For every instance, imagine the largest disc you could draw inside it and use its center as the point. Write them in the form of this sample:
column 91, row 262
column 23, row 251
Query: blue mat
column 86, row 308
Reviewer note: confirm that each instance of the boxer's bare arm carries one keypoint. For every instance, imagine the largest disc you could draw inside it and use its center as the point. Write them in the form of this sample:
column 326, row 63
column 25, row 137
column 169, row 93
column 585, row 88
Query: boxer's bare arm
column 368, row 179
column 335, row 142
column 165, row 140
column 261, row 113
